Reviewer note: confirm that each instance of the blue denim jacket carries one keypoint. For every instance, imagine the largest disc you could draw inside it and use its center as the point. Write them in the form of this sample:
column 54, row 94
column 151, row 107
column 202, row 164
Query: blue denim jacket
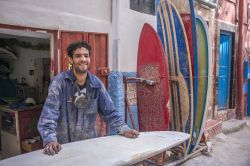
column 63, row 122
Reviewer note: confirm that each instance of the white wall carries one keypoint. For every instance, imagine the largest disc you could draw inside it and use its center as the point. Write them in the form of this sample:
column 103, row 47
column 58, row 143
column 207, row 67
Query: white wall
column 79, row 15
column 25, row 62
column 130, row 25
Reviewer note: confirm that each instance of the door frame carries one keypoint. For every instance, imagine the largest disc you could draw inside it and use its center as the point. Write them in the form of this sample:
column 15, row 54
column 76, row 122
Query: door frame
column 231, row 35
column 54, row 54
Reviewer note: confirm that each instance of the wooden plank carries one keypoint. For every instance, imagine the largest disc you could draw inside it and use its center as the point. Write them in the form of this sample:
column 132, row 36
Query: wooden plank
column 110, row 150
column 10, row 144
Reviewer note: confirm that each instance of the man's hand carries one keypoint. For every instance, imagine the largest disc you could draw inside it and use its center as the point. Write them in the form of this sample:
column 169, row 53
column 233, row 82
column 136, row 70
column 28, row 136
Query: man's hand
column 131, row 133
column 52, row 148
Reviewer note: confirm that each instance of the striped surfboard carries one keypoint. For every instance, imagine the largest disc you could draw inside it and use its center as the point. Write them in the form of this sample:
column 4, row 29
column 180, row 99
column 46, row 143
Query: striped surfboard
column 172, row 33
column 203, row 81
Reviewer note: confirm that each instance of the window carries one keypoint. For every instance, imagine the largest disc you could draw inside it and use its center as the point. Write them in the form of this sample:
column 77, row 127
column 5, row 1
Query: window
column 143, row 6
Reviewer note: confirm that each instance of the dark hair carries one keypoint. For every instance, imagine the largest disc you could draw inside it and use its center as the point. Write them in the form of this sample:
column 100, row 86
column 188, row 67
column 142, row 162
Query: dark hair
column 75, row 45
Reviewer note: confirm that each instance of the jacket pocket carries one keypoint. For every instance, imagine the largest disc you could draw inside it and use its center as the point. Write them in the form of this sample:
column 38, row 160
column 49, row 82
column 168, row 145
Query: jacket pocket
column 92, row 106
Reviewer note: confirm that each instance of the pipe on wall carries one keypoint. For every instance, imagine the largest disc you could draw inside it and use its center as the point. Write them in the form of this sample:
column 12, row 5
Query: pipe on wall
column 208, row 3
column 116, row 34
column 240, row 80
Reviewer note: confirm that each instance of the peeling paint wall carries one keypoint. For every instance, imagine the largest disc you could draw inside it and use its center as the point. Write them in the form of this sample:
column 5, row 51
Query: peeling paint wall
column 227, row 11
column 226, row 19
column 247, row 30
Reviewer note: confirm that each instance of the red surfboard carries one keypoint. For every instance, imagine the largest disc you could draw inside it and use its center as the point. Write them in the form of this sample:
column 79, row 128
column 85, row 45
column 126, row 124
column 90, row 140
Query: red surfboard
column 152, row 100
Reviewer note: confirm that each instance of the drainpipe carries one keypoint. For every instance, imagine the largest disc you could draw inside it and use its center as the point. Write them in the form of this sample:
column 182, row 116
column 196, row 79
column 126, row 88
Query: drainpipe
column 240, row 81
column 115, row 22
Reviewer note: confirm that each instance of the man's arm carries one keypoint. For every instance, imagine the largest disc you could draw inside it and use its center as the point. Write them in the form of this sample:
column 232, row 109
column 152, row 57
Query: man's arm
column 48, row 120
column 111, row 116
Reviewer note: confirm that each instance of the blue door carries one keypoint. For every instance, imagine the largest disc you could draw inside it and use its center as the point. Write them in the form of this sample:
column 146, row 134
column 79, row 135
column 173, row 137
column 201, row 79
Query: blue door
column 224, row 69
column 248, row 98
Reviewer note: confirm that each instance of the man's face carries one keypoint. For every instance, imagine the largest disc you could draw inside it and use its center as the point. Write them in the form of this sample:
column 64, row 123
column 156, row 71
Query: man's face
column 81, row 60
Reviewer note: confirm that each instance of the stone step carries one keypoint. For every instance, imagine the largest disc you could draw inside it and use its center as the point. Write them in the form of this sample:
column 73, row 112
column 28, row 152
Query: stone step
column 212, row 128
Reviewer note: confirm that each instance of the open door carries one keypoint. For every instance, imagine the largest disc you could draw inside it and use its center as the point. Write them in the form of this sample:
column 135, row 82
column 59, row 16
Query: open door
column 99, row 59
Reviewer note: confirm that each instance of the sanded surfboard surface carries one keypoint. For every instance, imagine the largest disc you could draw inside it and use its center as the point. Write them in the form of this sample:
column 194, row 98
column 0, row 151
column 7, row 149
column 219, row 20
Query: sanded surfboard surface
column 103, row 151
column 152, row 101
column 173, row 36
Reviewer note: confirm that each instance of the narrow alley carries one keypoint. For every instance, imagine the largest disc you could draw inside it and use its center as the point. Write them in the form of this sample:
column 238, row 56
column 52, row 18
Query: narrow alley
column 227, row 149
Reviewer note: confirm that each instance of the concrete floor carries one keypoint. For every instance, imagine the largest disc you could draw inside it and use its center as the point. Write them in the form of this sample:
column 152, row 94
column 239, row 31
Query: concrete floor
column 231, row 148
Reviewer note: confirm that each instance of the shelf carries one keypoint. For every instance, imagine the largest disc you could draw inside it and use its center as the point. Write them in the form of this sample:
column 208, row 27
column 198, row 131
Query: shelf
column 7, row 55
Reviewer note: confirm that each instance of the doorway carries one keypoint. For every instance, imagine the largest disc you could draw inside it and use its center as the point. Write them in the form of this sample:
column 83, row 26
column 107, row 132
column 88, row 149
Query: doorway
column 25, row 63
column 225, row 55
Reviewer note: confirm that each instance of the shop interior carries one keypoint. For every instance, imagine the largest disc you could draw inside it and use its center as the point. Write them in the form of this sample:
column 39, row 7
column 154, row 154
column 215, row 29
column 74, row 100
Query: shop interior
column 24, row 80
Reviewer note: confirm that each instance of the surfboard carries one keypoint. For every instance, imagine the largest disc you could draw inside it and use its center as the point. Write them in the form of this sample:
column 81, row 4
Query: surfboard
column 187, row 13
column 103, row 151
column 152, row 100
column 203, row 70
column 173, row 36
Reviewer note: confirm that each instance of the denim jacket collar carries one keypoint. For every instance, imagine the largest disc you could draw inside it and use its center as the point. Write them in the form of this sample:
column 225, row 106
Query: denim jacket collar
column 92, row 79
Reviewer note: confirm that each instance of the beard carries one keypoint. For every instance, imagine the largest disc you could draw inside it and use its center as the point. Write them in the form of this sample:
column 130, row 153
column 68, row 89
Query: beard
column 80, row 70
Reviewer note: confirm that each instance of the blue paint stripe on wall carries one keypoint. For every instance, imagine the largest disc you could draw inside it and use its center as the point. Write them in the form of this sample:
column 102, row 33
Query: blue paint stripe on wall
column 116, row 92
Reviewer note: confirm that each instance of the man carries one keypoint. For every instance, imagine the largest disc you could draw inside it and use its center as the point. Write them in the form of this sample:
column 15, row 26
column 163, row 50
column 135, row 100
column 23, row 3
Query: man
column 74, row 99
